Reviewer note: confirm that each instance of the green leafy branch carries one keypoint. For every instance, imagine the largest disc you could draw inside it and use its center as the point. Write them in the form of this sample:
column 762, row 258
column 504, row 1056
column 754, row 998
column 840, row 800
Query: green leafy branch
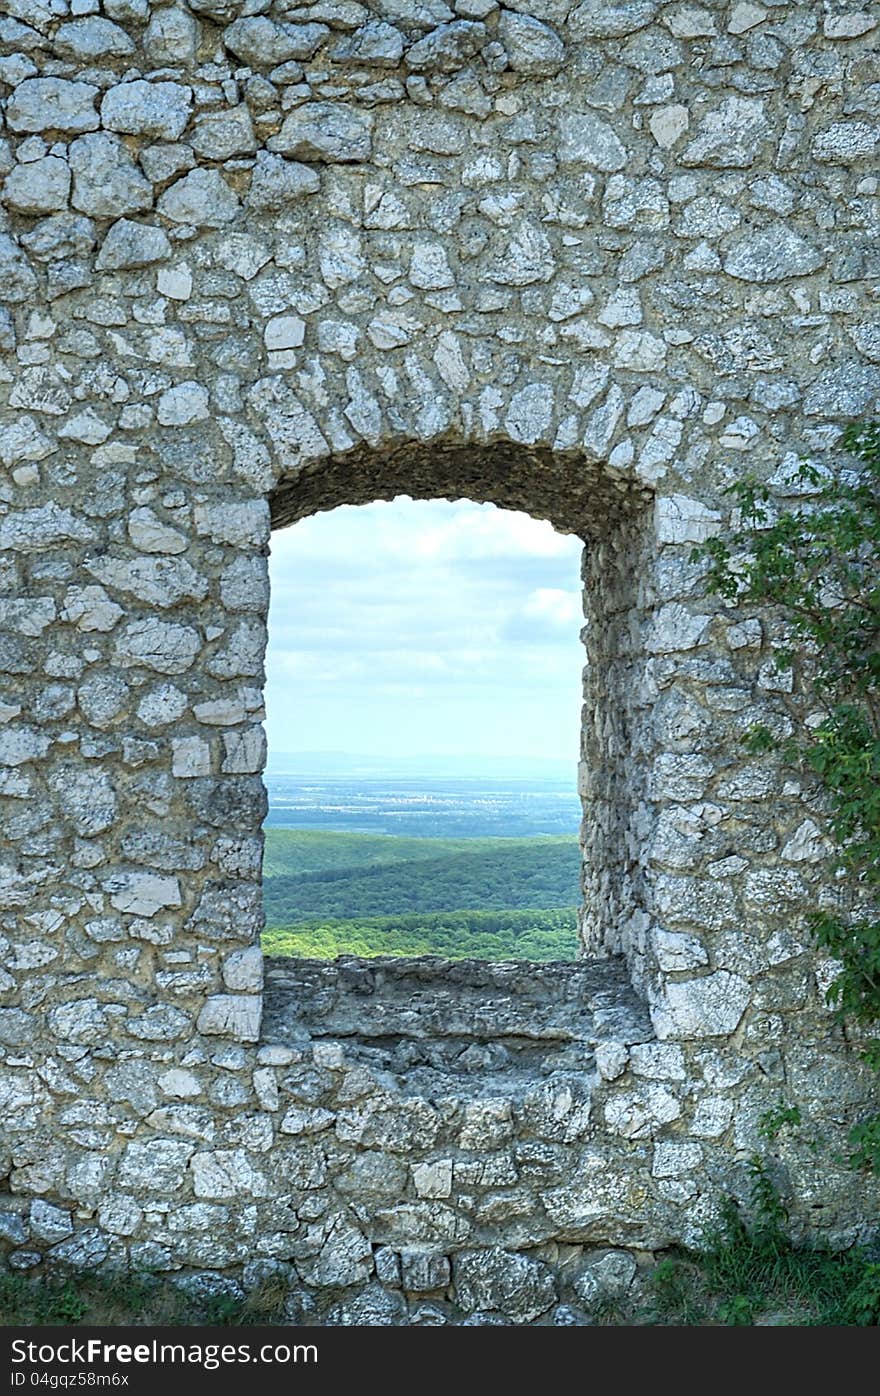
column 818, row 564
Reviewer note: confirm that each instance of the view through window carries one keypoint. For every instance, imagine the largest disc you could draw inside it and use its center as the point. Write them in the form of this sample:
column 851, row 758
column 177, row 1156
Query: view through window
column 423, row 712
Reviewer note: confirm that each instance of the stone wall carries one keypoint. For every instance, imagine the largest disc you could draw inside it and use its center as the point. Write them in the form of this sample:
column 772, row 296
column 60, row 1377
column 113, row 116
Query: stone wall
column 259, row 259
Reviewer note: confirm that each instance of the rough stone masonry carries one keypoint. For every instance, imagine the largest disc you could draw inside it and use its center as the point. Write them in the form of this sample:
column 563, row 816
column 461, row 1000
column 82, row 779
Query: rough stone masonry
column 259, row 258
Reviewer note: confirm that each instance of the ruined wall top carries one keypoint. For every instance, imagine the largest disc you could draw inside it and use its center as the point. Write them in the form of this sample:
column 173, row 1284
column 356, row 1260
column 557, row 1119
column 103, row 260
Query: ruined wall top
column 515, row 217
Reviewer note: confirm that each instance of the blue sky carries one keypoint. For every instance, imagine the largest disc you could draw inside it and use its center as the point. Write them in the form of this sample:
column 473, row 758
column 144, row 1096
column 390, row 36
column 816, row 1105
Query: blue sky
column 425, row 627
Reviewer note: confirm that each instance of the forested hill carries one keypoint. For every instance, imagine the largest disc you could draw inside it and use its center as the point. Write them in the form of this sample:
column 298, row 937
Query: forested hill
column 495, row 898
column 400, row 876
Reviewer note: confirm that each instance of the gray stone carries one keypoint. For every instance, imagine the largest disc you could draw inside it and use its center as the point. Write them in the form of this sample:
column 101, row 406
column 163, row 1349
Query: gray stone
column 164, row 646
column 277, row 182
column 62, row 235
column 533, row 48
column 730, row 136
column 154, row 1164
column 773, row 253
column 422, row 1274
column 615, row 21
column 608, row 1275
column 86, row 40
column 39, row 187
column 81, row 1252
column 262, row 43
column 447, row 48
column 53, row 104
column 201, row 197
column 171, row 36
column 13, row 1229
column 416, row 14
column 845, row 142
column 49, row 1223
column 707, row 1007
column 158, row 109
column 232, row 1015
column 585, row 139
column 327, row 131
column 503, row 1282
column 374, row 45
column 220, row 135
column 18, row 281
column 129, row 244
column 106, row 183
column 845, row 391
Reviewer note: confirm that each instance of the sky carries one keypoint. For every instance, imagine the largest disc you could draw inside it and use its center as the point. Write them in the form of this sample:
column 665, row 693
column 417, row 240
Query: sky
column 425, row 627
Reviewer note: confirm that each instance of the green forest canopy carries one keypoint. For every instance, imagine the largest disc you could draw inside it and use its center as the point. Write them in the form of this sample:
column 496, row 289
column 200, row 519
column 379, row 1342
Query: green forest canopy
column 332, row 893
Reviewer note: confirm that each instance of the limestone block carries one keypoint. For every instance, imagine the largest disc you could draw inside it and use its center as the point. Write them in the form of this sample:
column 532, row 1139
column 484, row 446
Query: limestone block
column 41, row 186
column 143, row 893
column 156, row 1166
column 327, row 131
column 243, row 970
column 85, row 40
column 503, row 1282
column 695, row 1008
column 160, row 110
column 45, row 104
column 48, row 1222
column 232, row 1015
column 585, row 139
column 201, row 197
column 447, row 48
column 533, row 48
column 433, row 1179
column 225, row 1173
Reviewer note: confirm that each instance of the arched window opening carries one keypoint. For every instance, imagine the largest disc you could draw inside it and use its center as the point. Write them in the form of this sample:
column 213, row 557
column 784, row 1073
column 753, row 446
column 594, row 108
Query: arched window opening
column 424, row 688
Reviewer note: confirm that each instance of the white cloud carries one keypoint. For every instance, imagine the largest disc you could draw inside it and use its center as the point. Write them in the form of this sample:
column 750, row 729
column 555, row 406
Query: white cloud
column 555, row 606
column 436, row 623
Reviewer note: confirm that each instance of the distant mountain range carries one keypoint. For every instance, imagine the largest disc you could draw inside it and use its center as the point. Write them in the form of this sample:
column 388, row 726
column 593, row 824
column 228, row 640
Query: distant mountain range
column 329, row 765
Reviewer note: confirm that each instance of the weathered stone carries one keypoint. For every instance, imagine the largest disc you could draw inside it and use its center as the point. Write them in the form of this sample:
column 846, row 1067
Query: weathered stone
column 614, row 21
column 845, row 391
column 532, row 48
column 447, row 48
column 220, row 135
column 849, row 26
column 148, row 533
column 106, row 183
column 232, row 1015
column 585, row 139
column 503, row 1282
column 707, row 1007
column 845, row 142
column 773, row 253
column 130, row 244
column 171, row 36
column 202, row 197
column 164, row 646
column 53, row 104
column 154, row 1164
column 264, row 44
column 730, row 136
column 327, row 131
column 183, row 404
column 49, row 1223
column 606, row 1276
column 85, row 40
column 373, row 45
column 39, row 187
column 158, row 109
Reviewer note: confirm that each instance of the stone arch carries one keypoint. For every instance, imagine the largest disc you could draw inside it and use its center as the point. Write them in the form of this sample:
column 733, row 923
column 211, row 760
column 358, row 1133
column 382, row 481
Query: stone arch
column 613, row 517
